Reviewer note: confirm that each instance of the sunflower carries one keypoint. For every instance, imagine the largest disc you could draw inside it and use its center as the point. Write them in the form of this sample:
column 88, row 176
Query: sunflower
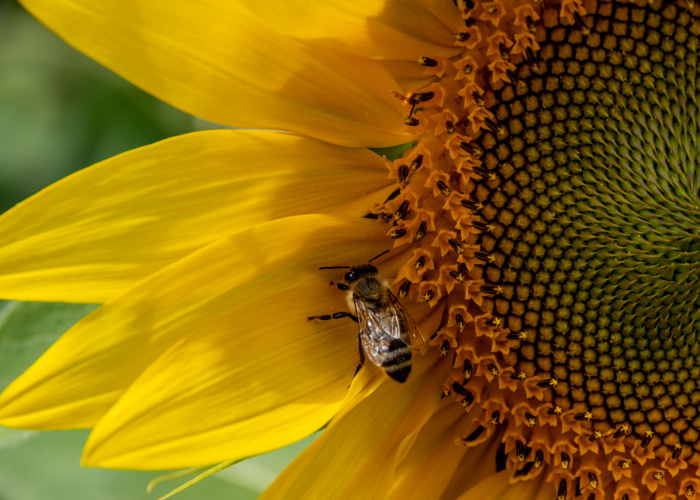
column 542, row 221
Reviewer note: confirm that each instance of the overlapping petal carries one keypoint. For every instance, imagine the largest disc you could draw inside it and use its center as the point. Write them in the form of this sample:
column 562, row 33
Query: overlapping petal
column 356, row 455
column 217, row 61
column 436, row 454
column 498, row 487
column 377, row 29
column 94, row 234
column 204, row 296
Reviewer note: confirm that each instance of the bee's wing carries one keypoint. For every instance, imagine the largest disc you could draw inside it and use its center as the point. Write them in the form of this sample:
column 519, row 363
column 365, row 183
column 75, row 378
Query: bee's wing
column 374, row 333
column 418, row 342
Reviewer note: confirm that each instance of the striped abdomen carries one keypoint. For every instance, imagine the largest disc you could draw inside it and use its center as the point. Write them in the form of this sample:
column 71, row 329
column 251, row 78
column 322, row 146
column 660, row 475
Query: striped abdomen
column 397, row 360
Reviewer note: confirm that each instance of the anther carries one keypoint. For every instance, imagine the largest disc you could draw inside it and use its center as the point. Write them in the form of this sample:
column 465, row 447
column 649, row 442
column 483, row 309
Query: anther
column 492, row 125
column 530, row 419
column 592, row 480
column 550, row 382
column 468, row 399
column 403, row 173
column 483, row 256
column 445, row 347
column 504, row 52
column 493, row 369
column 472, row 150
column 520, row 450
column 689, row 491
column 530, row 55
column 471, row 205
column 420, row 97
column 530, row 24
column 478, row 99
column 444, row 188
column 480, row 226
column 525, row 470
column 513, row 77
column 517, row 336
column 403, row 289
column 411, row 121
column 495, row 322
column 555, row 410
column 428, row 296
column 677, row 450
column 419, row 263
column 588, row 416
column 625, row 497
column 450, row 127
column 621, row 431
column 580, row 24
column 561, row 492
column 463, row 36
column 539, row 459
column 467, row 370
column 483, row 172
column 565, row 460
column 459, row 278
column 398, row 233
column 417, row 162
column 456, row 246
column 422, row 230
column 474, row 435
column 624, row 464
column 491, row 289
column 596, row 435
column 518, row 376
column 427, row 61
column 495, row 418
column 648, row 435
column 459, row 389
column 658, row 475
column 402, row 211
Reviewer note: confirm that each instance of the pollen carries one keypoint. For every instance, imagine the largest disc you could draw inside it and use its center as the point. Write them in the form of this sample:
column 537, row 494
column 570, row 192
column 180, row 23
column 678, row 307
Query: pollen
column 552, row 201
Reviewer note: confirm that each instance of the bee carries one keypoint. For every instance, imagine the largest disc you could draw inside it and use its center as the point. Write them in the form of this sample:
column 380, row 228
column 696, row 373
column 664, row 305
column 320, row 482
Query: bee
column 387, row 333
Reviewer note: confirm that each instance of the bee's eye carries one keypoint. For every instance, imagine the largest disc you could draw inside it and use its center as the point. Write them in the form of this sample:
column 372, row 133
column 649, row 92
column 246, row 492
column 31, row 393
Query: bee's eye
column 350, row 276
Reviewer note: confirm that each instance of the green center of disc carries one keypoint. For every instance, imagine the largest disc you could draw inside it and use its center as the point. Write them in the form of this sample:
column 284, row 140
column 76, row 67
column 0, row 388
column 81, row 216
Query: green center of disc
column 592, row 218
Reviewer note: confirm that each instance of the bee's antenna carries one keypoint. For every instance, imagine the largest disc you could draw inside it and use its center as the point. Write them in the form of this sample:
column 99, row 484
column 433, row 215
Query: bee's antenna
column 376, row 257
column 335, row 267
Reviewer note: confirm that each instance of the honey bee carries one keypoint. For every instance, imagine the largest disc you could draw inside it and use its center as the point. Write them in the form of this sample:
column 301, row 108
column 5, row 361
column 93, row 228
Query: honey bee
column 387, row 333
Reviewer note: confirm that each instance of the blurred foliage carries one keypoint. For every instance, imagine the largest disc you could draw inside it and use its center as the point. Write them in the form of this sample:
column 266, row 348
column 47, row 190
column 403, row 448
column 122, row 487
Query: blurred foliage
column 60, row 112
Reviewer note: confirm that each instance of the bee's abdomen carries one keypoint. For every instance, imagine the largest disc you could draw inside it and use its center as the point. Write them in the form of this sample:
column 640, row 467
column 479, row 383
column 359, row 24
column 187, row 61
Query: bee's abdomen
column 398, row 360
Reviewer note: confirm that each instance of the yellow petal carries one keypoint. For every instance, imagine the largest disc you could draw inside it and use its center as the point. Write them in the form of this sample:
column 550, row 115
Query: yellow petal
column 94, row 234
column 436, row 454
column 356, row 455
column 77, row 380
column 217, row 61
column 379, row 29
column 498, row 487
column 257, row 378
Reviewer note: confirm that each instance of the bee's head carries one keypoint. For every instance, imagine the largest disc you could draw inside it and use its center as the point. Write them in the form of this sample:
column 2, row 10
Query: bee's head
column 356, row 273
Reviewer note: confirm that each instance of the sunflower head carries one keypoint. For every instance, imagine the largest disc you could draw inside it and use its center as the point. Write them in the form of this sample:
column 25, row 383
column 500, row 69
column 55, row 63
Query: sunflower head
column 545, row 214
column 561, row 150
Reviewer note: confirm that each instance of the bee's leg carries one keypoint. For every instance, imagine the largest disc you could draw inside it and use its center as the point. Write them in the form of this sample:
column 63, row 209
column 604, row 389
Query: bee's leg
column 338, row 315
column 362, row 354
column 340, row 286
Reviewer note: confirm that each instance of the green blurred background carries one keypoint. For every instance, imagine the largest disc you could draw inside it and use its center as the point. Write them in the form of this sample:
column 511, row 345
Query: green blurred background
column 60, row 112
